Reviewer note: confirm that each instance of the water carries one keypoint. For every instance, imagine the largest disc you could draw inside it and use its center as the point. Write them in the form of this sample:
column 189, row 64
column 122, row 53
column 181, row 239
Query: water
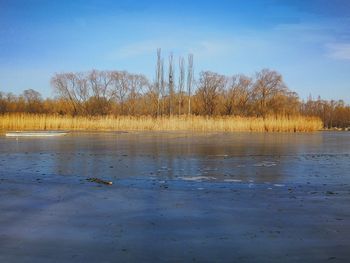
column 276, row 158
column 176, row 197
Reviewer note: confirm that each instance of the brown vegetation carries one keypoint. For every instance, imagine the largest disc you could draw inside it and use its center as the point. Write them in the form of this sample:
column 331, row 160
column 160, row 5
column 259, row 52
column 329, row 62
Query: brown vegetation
column 120, row 96
column 16, row 122
column 334, row 114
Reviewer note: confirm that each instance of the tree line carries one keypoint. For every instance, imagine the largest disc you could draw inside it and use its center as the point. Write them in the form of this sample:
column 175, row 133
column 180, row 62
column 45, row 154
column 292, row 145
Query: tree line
column 174, row 91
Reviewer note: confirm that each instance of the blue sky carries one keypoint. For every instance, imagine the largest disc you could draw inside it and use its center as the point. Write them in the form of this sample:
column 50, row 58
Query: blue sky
column 308, row 41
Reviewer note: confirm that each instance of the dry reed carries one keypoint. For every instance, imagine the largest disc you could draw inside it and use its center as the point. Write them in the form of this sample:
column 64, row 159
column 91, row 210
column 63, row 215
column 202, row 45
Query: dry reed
column 16, row 122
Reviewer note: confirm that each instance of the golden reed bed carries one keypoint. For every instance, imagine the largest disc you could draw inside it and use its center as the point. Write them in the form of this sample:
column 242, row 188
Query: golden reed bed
column 15, row 122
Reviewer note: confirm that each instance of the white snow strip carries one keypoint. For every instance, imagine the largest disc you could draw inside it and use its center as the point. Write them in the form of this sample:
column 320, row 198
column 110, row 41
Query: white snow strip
column 35, row 134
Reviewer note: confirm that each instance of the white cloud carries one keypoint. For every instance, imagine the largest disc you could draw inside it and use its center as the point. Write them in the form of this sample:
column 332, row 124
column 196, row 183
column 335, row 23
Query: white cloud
column 340, row 51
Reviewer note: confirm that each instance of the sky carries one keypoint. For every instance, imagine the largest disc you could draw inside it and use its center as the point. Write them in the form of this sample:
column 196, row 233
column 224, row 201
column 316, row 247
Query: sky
column 307, row 41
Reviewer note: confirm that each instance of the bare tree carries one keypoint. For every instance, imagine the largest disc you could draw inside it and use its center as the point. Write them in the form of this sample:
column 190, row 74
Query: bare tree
column 267, row 85
column 171, row 83
column 151, row 98
column 82, row 90
column 137, row 85
column 189, row 81
column 237, row 95
column 65, row 86
column 31, row 95
column 33, row 100
column 162, row 86
column 120, row 88
column 159, row 73
column 100, row 84
column 181, row 82
column 210, row 86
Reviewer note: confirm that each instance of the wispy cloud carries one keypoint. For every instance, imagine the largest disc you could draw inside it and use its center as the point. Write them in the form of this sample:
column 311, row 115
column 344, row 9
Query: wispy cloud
column 201, row 48
column 139, row 48
column 212, row 48
column 339, row 51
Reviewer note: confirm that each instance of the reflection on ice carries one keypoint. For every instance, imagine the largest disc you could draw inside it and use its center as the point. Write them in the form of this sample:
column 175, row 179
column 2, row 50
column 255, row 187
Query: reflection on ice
column 233, row 180
column 265, row 164
column 273, row 158
column 197, row 178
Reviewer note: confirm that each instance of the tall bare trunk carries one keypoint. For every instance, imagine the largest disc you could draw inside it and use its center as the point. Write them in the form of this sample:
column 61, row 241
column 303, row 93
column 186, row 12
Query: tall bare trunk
column 189, row 80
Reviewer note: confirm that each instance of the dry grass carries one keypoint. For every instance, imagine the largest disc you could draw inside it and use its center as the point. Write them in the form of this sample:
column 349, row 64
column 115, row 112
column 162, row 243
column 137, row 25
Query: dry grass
column 12, row 122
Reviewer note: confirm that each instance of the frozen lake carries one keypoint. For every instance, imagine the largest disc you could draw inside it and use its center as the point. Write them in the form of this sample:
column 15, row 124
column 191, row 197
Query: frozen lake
column 247, row 157
column 176, row 197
